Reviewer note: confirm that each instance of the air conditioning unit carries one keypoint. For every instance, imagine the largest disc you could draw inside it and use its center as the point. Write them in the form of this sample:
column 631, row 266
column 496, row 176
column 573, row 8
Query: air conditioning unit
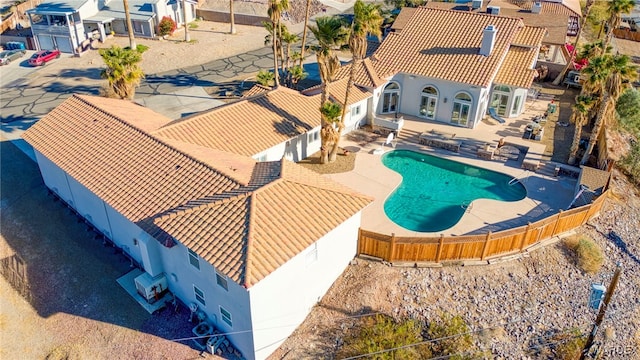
column 493, row 10
column 151, row 288
column 536, row 8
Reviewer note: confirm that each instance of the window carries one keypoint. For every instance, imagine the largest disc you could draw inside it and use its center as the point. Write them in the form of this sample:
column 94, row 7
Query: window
column 461, row 109
column 222, row 281
column 355, row 111
column 199, row 295
column 500, row 99
column 428, row 102
column 312, row 255
column 390, row 98
column 193, row 259
column 226, row 316
column 312, row 136
column 516, row 105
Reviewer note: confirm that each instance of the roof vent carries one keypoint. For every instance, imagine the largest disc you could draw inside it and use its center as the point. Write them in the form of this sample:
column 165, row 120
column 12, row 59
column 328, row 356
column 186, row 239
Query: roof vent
column 476, row 4
column 488, row 40
column 536, row 8
column 493, row 10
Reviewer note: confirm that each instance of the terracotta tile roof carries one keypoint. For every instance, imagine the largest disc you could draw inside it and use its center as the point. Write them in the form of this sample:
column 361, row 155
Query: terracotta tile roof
column 556, row 25
column 255, row 90
column 245, row 230
column 366, row 75
column 338, row 88
column 529, row 36
column 133, row 172
column 403, row 18
column 249, row 126
column 566, row 7
column 250, row 235
column 445, row 44
column 516, row 70
column 137, row 115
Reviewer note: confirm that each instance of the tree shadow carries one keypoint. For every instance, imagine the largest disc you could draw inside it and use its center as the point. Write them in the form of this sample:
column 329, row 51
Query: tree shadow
column 58, row 264
column 92, row 73
column 622, row 245
column 61, row 88
column 177, row 80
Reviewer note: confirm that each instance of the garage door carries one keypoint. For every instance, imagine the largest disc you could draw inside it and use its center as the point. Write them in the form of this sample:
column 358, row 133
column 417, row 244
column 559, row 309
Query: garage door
column 46, row 42
column 64, row 44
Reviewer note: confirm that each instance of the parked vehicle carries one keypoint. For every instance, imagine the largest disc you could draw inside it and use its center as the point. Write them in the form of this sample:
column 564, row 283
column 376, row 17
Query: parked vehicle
column 8, row 56
column 43, row 57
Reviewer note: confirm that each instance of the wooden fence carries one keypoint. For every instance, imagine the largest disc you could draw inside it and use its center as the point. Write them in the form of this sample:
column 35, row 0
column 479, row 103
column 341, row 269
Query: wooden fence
column 238, row 19
column 626, row 34
column 399, row 249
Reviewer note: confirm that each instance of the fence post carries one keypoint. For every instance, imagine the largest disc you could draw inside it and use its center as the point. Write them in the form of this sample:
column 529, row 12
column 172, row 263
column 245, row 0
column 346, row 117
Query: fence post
column 485, row 247
column 586, row 215
column 359, row 251
column 392, row 246
column 525, row 238
column 439, row 250
column 555, row 227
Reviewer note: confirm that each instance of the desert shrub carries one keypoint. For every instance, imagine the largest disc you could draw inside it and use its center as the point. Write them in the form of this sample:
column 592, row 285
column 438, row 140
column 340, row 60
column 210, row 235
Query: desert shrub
column 630, row 164
column 588, row 253
column 569, row 345
column 381, row 332
column 167, row 26
column 628, row 109
column 455, row 339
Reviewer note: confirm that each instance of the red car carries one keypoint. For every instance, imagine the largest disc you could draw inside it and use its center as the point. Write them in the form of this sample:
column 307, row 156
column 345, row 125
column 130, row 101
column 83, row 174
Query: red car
column 43, row 57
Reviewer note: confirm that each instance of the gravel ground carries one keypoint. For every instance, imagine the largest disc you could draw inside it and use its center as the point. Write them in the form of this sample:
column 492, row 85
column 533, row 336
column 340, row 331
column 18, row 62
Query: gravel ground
column 520, row 304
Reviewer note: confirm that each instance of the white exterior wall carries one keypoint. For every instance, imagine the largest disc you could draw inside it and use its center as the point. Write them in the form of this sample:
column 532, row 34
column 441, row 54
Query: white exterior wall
column 354, row 122
column 295, row 149
column 54, row 178
column 181, row 276
column 411, row 94
column 282, row 300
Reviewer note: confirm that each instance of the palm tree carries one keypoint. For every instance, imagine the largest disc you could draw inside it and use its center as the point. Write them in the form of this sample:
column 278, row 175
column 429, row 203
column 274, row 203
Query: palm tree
column 579, row 117
column 330, row 34
column 232, row 31
column 276, row 7
column 612, row 73
column 184, row 20
column 122, row 71
column 304, row 32
column 127, row 17
column 367, row 20
column 615, row 9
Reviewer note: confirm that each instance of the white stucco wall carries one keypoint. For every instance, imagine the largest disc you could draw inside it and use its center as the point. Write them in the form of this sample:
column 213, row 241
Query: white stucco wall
column 181, row 276
column 411, row 94
column 295, row 149
column 281, row 301
column 54, row 178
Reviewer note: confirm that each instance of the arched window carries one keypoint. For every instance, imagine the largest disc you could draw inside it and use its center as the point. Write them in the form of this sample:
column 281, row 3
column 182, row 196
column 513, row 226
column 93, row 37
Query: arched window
column 428, row 102
column 461, row 108
column 390, row 98
column 500, row 99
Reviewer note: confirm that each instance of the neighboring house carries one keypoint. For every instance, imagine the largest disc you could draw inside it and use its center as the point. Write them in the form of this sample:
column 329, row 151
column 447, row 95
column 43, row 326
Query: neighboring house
column 452, row 66
column 65, row 25
column 253, row 244
column 553, row 53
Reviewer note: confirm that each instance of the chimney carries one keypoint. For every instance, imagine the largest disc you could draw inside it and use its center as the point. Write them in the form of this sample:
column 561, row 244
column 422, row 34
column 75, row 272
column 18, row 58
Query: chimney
column 476, row 4
column 493, row 10
column 536, row 8
column 488, row 40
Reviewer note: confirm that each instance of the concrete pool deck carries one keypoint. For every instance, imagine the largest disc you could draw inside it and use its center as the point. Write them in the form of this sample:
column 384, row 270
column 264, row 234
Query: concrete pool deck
column 546, row 194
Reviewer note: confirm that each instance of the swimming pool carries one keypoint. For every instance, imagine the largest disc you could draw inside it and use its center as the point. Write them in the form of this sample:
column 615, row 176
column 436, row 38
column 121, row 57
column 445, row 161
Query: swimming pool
column 435, row 192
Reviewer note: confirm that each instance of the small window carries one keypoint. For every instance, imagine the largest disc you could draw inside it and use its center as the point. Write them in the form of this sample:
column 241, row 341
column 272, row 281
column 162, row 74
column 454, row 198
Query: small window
column 199, row 295
column 463, row 97
column 226, row 316
column 312, row 136
column 355, row 111
column 312, row 255
column 193, row 259
column 220, row 279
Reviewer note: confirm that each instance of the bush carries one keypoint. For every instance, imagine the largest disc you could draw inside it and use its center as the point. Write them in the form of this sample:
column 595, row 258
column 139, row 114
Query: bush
column 167, row 26
column 589, row 254
column 455, row 338
column 630, row 164
column 381, row 333
column 570, row 344
column 628, row 109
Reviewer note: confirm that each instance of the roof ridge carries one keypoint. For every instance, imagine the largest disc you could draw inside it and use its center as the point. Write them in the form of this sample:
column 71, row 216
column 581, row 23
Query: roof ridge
column 249, row 258
column 151, row 135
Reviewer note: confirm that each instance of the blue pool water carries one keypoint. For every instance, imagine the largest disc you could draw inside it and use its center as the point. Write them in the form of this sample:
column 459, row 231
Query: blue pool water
column 435, row 192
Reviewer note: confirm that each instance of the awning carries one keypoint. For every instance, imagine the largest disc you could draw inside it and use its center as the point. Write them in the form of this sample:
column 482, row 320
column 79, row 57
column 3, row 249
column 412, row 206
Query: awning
column 97, row 19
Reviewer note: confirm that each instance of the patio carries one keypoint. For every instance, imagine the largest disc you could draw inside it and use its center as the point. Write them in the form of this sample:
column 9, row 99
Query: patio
column 546, row 193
